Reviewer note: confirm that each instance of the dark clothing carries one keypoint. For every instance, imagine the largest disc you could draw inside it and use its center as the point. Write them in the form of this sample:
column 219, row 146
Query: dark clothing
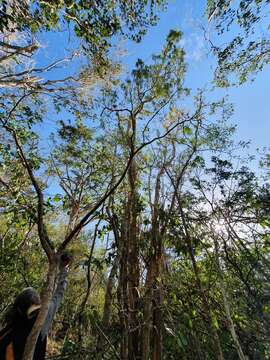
column 14, row 335
column 14, row 338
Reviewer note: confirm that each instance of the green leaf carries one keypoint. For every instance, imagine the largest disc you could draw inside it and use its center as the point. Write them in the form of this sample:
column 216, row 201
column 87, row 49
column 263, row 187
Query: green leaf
column 215, row 322
column 187, row 130
column 57, row 198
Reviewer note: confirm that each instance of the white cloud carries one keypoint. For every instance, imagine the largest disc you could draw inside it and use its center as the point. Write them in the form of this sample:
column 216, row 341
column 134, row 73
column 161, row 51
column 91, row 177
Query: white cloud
column 194, row 46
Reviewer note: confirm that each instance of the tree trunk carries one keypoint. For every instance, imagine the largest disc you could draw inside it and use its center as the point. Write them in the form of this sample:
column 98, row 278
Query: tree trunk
column 158, row 325
column 227, row 308
column 133, row 268
column 153, row 323
column 107, row 305
column 108, row 295
column 45, row 301
column 207, row 310
column 122, row 292
column 231, row 324
column 148, row 311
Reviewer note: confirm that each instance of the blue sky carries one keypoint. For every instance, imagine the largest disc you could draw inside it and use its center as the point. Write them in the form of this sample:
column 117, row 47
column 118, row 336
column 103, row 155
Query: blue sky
column 251, row 100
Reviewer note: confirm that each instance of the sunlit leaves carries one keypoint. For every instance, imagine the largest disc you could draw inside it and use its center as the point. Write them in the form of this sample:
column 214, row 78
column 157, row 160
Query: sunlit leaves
column 94, row 22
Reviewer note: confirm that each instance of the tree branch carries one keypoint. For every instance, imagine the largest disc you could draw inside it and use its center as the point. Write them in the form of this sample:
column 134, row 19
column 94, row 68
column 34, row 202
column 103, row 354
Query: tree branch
column 44, row 238
column 80, row 225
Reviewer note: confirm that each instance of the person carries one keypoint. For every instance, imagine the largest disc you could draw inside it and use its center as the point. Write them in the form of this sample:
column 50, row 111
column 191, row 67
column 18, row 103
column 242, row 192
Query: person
column 21, row 316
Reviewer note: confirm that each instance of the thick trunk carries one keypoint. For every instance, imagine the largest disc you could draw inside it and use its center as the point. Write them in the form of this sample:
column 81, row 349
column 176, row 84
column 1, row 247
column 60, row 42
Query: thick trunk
column 45, row 301
column 153, row 319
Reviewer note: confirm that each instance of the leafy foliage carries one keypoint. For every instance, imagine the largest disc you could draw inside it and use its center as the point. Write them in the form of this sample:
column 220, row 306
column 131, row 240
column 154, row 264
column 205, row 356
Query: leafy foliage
column 139, row 178
column 95, row 22
column 247, row 51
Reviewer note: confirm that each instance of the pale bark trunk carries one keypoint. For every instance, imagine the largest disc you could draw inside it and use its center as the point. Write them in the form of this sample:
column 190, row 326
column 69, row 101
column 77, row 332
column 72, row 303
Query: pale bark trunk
column 231, row 324
column 45, row 301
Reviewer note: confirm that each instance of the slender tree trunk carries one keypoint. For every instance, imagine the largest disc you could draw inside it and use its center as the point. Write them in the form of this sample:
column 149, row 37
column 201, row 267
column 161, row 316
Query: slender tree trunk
column 133, row 275
column 207, row 310
column 196, row 348
column 108, row 295
column 107, row 305
column 133, row 268
column 122, row 291
column 227, row 307
column 153, row 323
column 158, row 325
column 230, row 323
column 215, row 337
column 89, row 285
column 148, row 311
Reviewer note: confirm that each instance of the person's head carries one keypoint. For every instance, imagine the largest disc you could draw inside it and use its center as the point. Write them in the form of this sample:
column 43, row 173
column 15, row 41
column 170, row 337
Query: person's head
column 26, row 306
column 27, row 303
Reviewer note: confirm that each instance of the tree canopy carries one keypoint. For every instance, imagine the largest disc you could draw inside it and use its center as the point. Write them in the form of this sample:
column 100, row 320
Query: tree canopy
column 139, row 177
column 247, row 51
